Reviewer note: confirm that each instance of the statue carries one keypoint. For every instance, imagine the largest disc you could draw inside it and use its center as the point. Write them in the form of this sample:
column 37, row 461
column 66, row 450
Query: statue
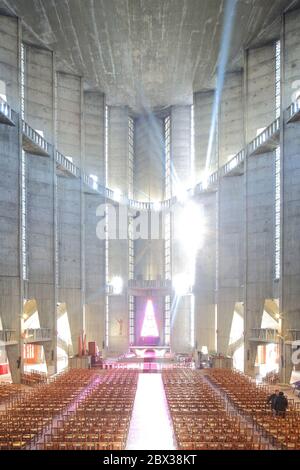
column 120, row 321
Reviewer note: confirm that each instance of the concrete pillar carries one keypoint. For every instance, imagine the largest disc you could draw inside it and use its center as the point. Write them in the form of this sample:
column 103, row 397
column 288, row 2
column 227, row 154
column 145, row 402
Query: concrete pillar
column 205, row 279
column 69, row 253
column 70, row 212
column 203, row 109
column 69, row 116
column 181, row 321
column 260, row 246
column 149, row 158
column 118, row 264
column 10, row 182
column 149, row 186
column 290, row 262
column 260, row 194
column 40, row 195
column 94, row 116
column 261, row 89
column 181, row 147
column 94, row 248
column 10, row 268
column 230, row 255
column 9, row 60
column 231, row 122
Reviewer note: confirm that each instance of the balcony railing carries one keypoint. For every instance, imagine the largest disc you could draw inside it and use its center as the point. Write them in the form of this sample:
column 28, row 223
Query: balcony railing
column 267, row 335
column 37, row 334
column 7, row 336
column 33, row 142
column 267, row 141
column 5, row 113
column 91, row 186
column 231, row 167
column 293, row 335
column 293, row 111
column 149, row 284
column 66, row 166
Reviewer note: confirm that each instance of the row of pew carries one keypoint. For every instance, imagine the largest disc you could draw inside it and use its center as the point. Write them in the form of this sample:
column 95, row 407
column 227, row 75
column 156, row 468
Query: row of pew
column 200, row 416
column 250, row 399
column 101, row 420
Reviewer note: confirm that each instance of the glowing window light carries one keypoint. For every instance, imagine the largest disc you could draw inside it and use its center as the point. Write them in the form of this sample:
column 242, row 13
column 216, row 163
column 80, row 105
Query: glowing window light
column 117, row 195
column 117, row 285
column 190, row 228
column 182, row 284
column 149, row 328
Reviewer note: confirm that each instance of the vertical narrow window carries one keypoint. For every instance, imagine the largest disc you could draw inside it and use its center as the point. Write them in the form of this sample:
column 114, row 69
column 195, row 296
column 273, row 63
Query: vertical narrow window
column 278, row 165
column 106, row 236
column 192, row 325
column 130, row 156
column 192, row 145
column 23, row 173
column 167, row 228
column 131, row 305
column 131, row 320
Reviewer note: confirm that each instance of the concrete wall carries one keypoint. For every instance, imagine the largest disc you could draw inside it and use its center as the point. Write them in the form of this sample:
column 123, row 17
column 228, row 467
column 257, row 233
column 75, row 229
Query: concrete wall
column 231, row 123
column 205, row 278
column 260, row 89
column 118, row 264
column 149, row 159
column 203, row 109
column 94, row 248
column 40, row 194
column 230, row 255
column 259, row 245
column 180, row 179
column 94, row 274
column 9, row 66
column 10, row 256
column 10, row 270
column 94, row 116
column 290, row 301
column 39, row 91
column 69, row 108
column 149, row 182
column 69, row 253
column 181, row 147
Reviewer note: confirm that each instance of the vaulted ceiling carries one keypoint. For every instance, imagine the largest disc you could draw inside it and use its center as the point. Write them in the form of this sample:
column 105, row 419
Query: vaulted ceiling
column 145, row 52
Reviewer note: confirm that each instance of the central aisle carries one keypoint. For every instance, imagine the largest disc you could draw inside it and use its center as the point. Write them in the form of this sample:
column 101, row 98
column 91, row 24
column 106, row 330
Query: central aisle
column 151, row 425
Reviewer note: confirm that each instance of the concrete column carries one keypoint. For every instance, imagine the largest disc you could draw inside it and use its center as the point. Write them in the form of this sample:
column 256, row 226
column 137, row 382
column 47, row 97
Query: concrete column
column 70, row 217
column 149, row 158
column 290, row 302
column 40, row 194
column 205, row 280
column 203, row 109
column 94, row 249
column 230, row 252
column 69, row 116
column 231, row 122
column 10, row 182
column 181, row 147
column 10, row 299
column 180, row 179
column 260, row 194
column 94, row 115
column 118, row 264
column 149, row 186
column 260, row 246
column 261, row 89
column 9, row 60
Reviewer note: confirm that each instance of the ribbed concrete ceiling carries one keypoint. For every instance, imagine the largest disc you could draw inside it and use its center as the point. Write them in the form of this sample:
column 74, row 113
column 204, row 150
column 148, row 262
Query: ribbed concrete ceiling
column 145, row 52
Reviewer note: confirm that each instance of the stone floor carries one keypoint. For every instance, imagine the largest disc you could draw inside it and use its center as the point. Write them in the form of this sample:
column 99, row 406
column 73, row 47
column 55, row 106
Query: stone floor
column 151, row 425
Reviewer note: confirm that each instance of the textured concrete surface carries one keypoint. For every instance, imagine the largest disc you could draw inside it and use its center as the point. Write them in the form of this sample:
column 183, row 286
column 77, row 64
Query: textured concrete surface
column 145, row 52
